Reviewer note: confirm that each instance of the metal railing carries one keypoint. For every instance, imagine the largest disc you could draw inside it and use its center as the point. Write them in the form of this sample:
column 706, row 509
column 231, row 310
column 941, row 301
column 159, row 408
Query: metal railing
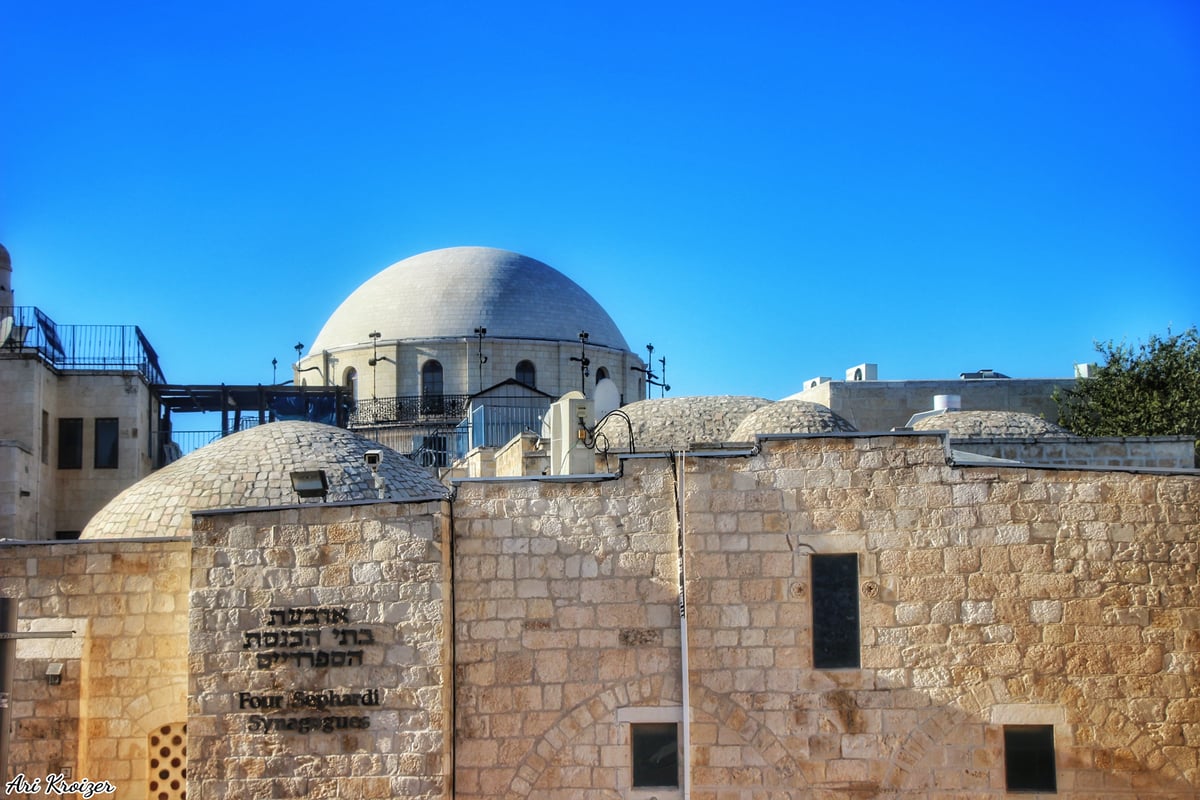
column 68, row 347
column 176, row 444
column 409, row 408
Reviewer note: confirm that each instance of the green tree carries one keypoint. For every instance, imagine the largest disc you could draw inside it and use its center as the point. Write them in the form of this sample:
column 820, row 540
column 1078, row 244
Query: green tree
column 1153, row 390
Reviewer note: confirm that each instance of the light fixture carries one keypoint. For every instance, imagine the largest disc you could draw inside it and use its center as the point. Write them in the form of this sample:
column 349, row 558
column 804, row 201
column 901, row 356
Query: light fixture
column 54, row 673
column 310, row 483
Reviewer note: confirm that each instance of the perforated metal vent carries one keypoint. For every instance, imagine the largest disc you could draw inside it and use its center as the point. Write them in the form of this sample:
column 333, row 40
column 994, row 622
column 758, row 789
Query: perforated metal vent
column 168, row 762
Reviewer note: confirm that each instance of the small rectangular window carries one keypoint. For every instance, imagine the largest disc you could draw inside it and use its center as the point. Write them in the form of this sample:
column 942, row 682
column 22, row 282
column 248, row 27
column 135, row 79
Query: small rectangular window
column 106, row 445
column 1029, row 758
column 655, row 754
column 45, row 436
column 70, row 443
column 835, row 611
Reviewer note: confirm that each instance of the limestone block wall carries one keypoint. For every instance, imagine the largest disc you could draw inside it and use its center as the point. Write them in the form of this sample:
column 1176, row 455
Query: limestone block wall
column 124, row 668
column 18, row 475
column 126, row 397
column 986, row 597
column 28, row 389
column 1156, row 452
column 320, row 653
column 566, row 613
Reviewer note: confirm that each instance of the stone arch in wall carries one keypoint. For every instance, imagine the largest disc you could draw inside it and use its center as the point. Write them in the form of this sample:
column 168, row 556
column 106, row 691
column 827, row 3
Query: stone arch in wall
column 920, row 752
column 653, row 689
column 783, row 773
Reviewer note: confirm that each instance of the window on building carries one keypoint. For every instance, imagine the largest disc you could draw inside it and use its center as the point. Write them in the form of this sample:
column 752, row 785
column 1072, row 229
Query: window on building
column 835, row 611
column 105, row 445
column 1029, row 758
column 601, row 374
column 67, row 536
column 655, row 754
column 527, row 373
column 45, row 436
column 351, row 382
column 431, row 388
column 70, row 443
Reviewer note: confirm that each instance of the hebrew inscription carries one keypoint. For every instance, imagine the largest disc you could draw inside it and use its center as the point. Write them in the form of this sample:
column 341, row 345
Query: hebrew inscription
column 307, row 639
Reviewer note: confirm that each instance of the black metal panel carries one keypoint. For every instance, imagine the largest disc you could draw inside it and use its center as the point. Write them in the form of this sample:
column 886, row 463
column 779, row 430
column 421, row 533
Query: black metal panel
column 835, row 611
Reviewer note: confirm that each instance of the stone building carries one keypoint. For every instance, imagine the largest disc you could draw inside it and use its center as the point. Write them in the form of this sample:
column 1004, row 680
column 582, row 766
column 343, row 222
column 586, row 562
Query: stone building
column 863, row 617
column 466, row 333
column 740, row 600
column 77, row 416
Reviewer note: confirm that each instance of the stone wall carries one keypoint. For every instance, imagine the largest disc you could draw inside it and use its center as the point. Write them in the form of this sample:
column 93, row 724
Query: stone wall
column 319, row 653
column 987, row 597
column 124, row 668
column 36, row 497
column 1154, row 452
column 28, row 389
column 89, row 396
column 323, row 662
column 566, row 596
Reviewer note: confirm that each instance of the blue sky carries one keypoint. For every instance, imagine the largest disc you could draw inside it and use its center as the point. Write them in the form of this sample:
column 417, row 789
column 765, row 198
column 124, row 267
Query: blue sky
column 766, row 191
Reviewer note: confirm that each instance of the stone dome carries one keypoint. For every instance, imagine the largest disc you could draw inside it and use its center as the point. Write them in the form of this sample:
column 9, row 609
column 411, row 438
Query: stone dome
column 674, row 423
column 989, row 424
column 251, row 469
column 451, row 292
column 790, row 416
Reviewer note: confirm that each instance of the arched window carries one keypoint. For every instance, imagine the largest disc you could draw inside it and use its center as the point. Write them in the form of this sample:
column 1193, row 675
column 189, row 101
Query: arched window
column 432, row 401
column 350, row 381
column 527, row 374
column 601, row 374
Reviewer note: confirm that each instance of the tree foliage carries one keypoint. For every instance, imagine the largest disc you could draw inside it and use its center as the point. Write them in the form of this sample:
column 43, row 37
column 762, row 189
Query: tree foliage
column 1153, row 390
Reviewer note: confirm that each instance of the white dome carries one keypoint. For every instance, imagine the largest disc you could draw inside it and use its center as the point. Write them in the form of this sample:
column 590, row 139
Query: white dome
column 449, row 293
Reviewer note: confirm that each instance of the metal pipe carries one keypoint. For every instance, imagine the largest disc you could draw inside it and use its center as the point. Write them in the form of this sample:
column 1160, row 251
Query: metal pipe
column 686, row 699
column 8, row 650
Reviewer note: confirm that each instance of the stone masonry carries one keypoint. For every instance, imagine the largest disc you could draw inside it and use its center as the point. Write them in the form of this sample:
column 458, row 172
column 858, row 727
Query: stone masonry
column 319, row 653
column 503, row 643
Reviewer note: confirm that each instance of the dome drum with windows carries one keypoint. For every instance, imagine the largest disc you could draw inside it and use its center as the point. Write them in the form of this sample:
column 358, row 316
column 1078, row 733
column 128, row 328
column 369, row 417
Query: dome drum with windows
column 436, row 328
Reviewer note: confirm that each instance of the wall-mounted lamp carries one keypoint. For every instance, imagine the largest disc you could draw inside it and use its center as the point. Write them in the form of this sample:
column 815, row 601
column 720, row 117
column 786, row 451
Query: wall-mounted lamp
column 54, row 672
column 310, row 483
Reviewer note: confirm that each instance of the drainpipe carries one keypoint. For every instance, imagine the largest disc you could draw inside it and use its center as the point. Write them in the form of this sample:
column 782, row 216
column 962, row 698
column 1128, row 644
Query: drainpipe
column 680, row 487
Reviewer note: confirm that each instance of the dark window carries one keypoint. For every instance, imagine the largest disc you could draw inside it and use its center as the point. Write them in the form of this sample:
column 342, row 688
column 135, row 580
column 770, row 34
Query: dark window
column 601, row 374
column 351, row 383
column 70, row 443
column 835, row 611
column 105, row 450
column 45, row 436
column 1029, row 758
column 66, row 535
column 432, row 401
column 655, row 754
column 527, row 373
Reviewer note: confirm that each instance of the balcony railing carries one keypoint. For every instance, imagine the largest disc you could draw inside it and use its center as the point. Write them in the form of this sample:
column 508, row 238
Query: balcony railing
column 408, row 409
column 71, row 347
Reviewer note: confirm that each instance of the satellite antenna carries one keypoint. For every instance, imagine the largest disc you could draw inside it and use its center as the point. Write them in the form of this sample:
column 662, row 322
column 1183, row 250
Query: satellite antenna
column 6, row 326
